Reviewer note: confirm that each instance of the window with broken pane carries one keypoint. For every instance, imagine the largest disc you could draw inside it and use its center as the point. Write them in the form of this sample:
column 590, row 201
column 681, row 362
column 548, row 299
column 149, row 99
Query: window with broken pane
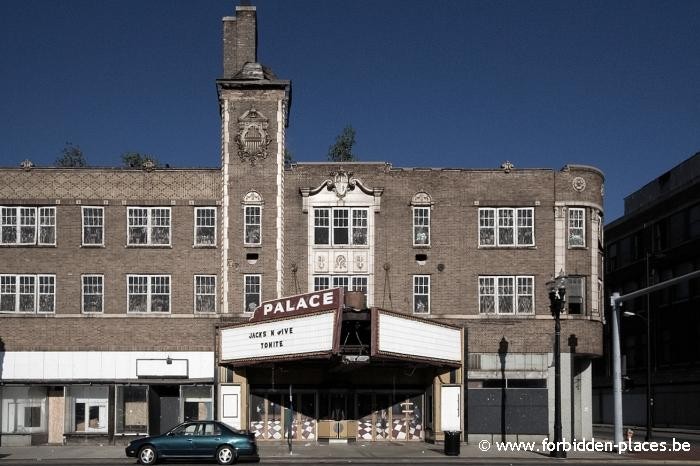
column 205, row 293
column 148, row 226
column 487, row 295
column 421, row 294
column 252, row 225
column 93, row 226
column 93, row 293
column 359, row 226
column 506, row 295
column 421, row 226
column 47, row 293
column 47, row 225
column 205, row 226
column 487, row 227
column 576, row 227
column 252, row 292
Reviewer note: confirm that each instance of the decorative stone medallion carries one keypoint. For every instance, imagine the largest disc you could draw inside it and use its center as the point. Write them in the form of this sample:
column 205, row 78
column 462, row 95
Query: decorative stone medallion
column 579, row 184
column 252, row 138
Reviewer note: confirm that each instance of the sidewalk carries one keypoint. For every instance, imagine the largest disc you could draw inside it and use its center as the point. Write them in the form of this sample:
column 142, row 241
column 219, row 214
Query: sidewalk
column 378, row 452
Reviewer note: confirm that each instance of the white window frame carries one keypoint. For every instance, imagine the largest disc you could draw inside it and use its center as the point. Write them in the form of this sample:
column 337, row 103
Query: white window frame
column 516, row 287
column 150, row 226
column 149, row 293
column 352, row 281
column 245, row 291
column 416, row 225
column 36, row 292
column 89, row 399
column 496, row 221
column 415, row 289
column 101, row 225
column 38, row 216
column 197, row 225
column 353, row 223
column 197, row 293
column 576, row 222
column 83, row 293
column 246, row 224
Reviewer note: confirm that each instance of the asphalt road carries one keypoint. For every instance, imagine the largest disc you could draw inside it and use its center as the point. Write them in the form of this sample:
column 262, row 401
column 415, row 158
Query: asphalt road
column 432, row 461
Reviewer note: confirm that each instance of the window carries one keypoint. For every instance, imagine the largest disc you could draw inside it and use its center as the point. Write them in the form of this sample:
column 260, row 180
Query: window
column 205, row 226
column 131, row 409
column 197, row 403
column 421, row 294
column 205, row 293
column 28, row 293
column 322, row 226
column 575, row 292
column 23, row 410
column 506, row 295
column 421, row 226
column 19, row 226
column 87, row 409
column 350, row 226
column 506, row 227
column 148, row 226
column 93, row 293
column 253, row 232
column 252, row 292
column 577, row 232
column 148, row 293
column 93, row 226
column 349, row 282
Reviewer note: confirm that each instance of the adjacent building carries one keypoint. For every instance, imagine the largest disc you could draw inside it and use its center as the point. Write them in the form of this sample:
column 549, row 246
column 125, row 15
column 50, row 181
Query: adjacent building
column 657, row 239
column 399, row 301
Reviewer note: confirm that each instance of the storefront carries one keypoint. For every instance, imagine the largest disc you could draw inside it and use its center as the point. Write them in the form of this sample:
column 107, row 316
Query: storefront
column 318, row 369
column 76, row 397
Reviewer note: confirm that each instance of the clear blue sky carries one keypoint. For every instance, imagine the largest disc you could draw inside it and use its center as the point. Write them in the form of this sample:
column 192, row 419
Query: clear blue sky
column 614, row 84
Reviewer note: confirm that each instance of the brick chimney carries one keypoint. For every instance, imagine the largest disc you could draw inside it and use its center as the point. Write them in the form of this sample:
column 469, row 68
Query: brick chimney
column 240, row 40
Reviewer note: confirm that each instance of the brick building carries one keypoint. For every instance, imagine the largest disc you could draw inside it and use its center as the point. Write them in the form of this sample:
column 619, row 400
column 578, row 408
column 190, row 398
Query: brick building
column 126, row 294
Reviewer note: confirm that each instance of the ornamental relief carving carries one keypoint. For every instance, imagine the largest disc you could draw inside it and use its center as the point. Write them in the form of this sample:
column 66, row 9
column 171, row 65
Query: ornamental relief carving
column 252, row 139
column 579, row 184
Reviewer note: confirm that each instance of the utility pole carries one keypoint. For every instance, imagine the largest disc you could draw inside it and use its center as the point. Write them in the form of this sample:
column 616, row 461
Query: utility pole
column 617, row 368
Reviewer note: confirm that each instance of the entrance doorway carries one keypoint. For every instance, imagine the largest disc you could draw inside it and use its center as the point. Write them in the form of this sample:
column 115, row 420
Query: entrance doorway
column 163, row 408
column 338, row 414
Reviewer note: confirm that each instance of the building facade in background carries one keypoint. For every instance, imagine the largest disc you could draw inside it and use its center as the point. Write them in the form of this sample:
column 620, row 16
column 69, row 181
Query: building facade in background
column 657, row 239
column 128, row 296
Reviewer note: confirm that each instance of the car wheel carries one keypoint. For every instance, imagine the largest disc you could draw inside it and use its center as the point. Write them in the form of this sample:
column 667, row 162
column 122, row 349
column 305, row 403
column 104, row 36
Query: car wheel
column 225, row 455
column 147, row 455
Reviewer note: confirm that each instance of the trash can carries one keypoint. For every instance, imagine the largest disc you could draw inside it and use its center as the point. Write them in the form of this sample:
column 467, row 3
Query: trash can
column 452, row 439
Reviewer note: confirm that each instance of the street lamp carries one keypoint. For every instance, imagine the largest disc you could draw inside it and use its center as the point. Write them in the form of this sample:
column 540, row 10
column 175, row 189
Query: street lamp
column 557, row 298
column 649, row 398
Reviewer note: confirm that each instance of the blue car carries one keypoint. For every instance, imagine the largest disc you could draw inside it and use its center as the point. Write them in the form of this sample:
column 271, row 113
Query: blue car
column 196, row 439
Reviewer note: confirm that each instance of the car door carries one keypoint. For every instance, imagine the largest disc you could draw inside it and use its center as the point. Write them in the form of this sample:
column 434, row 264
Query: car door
column 179, row 442
column 208, row 439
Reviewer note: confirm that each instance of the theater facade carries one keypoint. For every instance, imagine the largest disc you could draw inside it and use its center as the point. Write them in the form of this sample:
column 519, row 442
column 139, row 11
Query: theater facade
column 332, row 302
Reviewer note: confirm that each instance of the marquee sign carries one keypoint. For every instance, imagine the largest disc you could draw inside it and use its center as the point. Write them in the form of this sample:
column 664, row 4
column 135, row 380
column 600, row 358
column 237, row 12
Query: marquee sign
column 313, row 335
column 401, row 336
column 299, row 304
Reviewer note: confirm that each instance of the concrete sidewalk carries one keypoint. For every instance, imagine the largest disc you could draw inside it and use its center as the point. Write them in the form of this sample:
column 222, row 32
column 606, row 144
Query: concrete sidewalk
column 389, row 453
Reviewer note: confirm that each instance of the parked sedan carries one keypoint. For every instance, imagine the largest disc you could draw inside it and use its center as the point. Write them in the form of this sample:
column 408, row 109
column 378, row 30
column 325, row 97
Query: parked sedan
column 196, row 439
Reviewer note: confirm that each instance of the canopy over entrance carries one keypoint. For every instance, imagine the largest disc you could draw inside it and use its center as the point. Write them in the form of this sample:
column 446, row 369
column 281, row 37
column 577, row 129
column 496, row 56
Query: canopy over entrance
column 320, row 326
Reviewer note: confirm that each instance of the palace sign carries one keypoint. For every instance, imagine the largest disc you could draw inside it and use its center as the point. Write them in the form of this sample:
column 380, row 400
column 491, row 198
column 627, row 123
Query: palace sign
column 301, row 326
column 299, row 304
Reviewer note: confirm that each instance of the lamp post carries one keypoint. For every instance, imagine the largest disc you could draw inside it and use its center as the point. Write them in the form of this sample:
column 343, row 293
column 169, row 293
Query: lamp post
column 557, row 295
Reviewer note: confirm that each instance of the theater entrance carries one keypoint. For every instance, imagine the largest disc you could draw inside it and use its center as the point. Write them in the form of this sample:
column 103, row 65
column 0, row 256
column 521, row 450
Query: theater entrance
column 338, row 415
